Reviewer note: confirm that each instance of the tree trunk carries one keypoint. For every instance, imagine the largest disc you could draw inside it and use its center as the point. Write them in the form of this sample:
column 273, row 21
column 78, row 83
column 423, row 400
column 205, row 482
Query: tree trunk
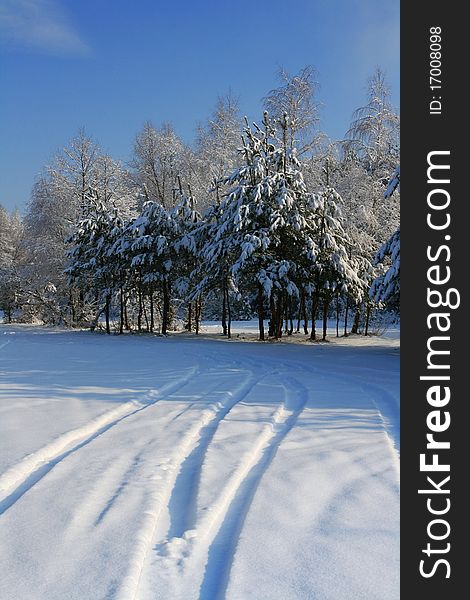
column 346, row 311
column 229, row 315
column 147, row 326
column 197, row 310
column 224, row 309
column 286, row 313
column 121, row 310
column 261, row 312
column 357, row 317
column 304, row 312
column 272, row 321
column 326, row 304
column 152, row 312
column 366, row 331
column 278, row 333
column 337, row 315
column 289, row 318
column 166, row 307
column 72, row 307
column 299, row 317
column 315, row 299
column 106, row 313
column 139, row 314
column 126, row 316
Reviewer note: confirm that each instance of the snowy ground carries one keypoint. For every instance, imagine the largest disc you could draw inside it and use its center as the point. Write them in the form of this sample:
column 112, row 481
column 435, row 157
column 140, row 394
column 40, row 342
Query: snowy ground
column 136, row 467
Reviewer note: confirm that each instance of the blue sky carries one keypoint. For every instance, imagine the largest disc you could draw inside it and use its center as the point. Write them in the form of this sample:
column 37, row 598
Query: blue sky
column 110, row 65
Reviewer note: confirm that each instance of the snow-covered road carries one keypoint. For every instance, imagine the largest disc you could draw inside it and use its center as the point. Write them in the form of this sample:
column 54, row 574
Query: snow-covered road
column 177, row 469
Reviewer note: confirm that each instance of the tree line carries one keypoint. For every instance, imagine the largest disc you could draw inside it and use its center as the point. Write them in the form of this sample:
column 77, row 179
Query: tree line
column 269, row 219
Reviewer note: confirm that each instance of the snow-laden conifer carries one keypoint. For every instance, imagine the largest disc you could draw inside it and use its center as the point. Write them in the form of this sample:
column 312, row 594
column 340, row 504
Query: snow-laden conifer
column 91, row 267
column 261, row 234
column 333, row 270
column 386, row 287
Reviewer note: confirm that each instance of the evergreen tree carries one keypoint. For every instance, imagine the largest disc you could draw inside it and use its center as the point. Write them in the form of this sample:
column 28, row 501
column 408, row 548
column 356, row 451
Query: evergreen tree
column 91, row 267
column 261, row 234
column 187, row 248
column 153, row 235
column 386, row 287
column 333, row 270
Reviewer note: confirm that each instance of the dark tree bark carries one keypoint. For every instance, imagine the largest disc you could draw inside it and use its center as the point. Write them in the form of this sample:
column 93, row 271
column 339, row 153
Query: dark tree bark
column 279, row 314
column 304, row 311
column 289, row 319
column 299, row 317
column 147, row 325
column 152, row 311
column 261, row 312
column 366, row 330
column 326, row 304
column 357, row 317
column 139, row 314
column 72, row 307
column 224, row 309
column 197, row 309
column 229, row 316
column 337, row 315
column 166, row 307
column 121, row 310
column 106, row 313
column 272, row 321
column 126, row 316
column 315, row 300
column 286, row 314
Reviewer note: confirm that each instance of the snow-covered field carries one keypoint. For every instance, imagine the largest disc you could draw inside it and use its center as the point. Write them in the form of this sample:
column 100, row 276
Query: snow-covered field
column 136, row 467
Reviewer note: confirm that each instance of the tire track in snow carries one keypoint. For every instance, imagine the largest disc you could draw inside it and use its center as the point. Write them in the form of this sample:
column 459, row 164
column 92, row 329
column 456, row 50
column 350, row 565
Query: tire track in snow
column 7, row 341
column 223, row 525
column 382, row 400
column 20, row 478
column 215, row 537
column 4, row 344
column 120, row 488
column 210, row 417
column 183, row 501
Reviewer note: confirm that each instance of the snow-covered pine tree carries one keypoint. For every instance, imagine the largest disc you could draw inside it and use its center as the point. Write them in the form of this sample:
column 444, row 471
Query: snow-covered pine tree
column 154, row 233
column 386, row 287
column 211, row 275
column 261, row 234
column 91, row 267
column 333, row 270
column 186, row 247
column 365, row 221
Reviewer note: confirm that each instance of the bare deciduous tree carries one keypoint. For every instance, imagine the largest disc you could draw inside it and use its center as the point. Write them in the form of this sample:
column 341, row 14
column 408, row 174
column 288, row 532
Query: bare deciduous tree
column 158, row 156
column 295, row 98
column 374, row 132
